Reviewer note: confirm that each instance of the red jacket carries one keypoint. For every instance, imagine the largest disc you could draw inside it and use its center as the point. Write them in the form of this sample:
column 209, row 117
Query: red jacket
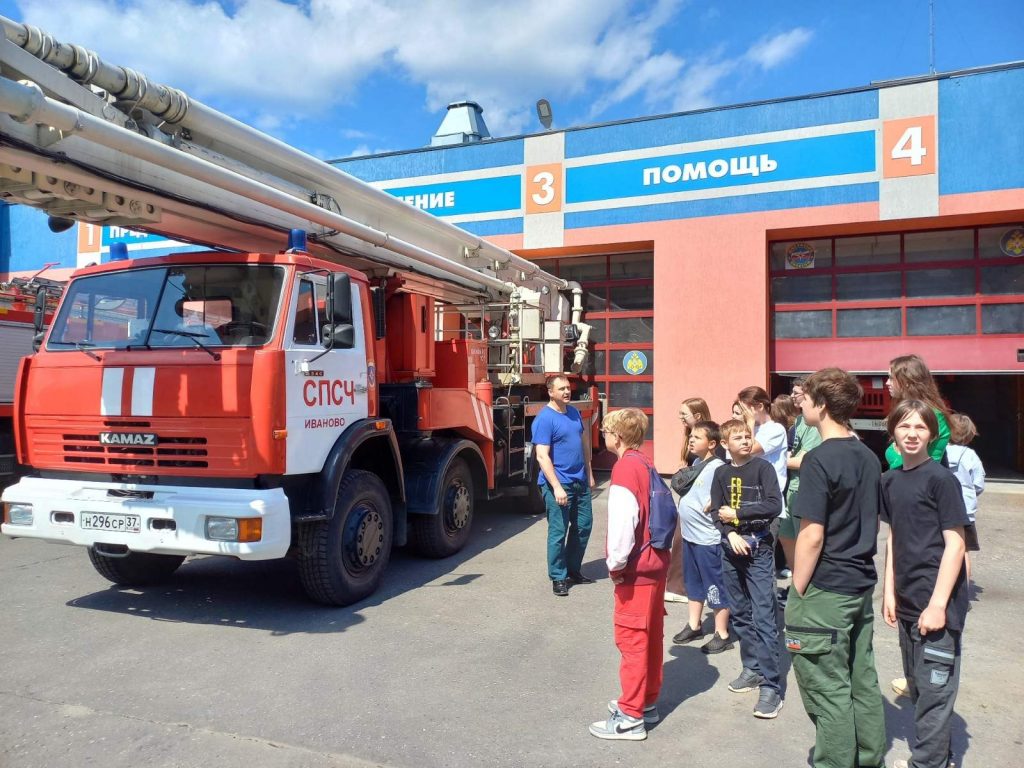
column 629, row 499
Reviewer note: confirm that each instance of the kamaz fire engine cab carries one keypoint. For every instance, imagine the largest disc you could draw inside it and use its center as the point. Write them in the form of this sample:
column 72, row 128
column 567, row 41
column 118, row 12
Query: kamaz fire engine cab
column 344, row 374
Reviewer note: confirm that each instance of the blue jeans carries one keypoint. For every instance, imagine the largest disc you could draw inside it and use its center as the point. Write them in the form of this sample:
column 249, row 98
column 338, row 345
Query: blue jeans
column 568, row 529
column 750, row 582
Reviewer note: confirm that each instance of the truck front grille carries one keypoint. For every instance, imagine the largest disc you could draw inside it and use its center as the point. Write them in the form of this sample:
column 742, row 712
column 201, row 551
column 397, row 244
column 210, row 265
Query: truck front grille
column 178, row 452
column 183, row 446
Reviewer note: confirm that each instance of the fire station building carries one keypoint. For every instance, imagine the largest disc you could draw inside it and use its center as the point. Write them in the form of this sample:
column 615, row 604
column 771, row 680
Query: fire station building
column 745, row 245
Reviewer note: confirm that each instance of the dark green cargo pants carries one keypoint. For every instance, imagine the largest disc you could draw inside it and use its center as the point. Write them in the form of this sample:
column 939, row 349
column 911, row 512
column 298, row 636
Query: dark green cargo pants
column 830, row 638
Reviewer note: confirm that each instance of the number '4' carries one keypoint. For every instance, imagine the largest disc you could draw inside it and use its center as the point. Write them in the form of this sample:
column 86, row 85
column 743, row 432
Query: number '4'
column 909, row 146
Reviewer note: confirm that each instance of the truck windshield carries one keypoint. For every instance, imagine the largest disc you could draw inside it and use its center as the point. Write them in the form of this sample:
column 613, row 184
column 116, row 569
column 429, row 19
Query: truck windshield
column 206, row 306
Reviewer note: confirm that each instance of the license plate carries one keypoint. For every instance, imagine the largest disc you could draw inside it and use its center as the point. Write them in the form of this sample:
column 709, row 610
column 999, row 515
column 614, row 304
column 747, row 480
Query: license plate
column 115, row 523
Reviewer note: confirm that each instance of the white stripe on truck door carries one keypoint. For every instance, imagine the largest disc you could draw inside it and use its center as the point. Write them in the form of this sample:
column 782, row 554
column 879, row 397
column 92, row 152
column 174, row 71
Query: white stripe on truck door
column 110, row 398
column 142, row 392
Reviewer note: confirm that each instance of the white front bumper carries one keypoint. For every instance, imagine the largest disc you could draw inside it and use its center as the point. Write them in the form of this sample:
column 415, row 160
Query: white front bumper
column 188, row 507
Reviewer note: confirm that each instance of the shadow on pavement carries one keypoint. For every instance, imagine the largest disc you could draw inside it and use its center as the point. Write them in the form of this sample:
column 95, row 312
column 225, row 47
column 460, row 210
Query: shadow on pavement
column 686, row 675
column 267, row 595
column 595, row 569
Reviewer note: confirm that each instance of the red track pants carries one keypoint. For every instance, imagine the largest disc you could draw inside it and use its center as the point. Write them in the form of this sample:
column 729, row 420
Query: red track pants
column 640, row 637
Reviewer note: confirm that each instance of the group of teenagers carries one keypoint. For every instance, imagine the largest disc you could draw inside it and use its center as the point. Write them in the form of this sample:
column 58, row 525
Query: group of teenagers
column 816, row 489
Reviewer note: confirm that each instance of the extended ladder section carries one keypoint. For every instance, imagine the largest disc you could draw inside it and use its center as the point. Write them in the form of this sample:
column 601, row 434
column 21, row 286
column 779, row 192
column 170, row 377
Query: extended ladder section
column 86, row 140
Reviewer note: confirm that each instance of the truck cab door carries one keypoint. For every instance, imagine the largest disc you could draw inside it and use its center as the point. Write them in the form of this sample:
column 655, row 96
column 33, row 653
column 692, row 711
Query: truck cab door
column 327, row 394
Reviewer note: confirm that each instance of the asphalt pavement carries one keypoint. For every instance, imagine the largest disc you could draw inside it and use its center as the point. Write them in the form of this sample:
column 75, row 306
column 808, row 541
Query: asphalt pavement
column 464, row 662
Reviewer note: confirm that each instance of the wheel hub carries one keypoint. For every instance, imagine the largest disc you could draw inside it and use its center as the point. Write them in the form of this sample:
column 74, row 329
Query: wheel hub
column 459, row 506
column 364, row 537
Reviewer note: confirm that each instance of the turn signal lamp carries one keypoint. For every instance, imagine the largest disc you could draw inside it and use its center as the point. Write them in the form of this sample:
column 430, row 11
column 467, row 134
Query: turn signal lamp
column 250, row 529
column 280, row 434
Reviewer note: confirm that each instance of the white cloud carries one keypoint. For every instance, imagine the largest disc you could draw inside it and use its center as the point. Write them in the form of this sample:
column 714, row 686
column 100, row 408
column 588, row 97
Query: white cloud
column 697, row 87
column 362, row 150
column 266, row 57
column 773, row 51
column 695, row 90
column 277, row 63
column 269, row 56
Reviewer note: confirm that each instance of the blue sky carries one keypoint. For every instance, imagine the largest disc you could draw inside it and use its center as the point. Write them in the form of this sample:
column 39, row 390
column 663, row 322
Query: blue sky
column 346, row 77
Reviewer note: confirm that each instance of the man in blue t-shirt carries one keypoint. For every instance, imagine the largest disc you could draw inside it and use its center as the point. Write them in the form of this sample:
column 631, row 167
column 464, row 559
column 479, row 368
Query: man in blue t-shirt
column 565, row 482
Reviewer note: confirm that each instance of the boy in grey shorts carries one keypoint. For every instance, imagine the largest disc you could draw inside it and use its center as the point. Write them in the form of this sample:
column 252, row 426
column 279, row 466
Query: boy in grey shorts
column 702, row 558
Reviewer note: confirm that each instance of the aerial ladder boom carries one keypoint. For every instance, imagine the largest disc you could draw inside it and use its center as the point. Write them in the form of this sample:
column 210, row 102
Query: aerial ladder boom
column 90, row 141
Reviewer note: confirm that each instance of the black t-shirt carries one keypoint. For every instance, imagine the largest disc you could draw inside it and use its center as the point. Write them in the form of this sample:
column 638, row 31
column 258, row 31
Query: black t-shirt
column 839, row 489
column 752, row 490
column 919, row 504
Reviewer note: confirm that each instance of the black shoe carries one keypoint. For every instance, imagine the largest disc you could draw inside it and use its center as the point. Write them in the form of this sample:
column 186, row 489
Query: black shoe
column 717, row 644
column 579, row 578
column 688, row 634
column 782, row 595
column 560, row 587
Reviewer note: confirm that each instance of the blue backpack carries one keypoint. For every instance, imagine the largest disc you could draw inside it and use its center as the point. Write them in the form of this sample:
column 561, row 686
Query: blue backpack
column 663, row 517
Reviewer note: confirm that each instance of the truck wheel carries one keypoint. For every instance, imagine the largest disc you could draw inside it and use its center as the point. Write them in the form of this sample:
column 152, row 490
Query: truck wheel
column 135, row 569
column 343, row 559
column 446, row 532
column 535, row 500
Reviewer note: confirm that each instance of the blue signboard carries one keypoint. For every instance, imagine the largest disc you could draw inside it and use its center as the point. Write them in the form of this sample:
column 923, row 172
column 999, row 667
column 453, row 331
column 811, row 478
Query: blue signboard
column 713, row 169
column 450, row 198
column 142, row 244
column 113, row 235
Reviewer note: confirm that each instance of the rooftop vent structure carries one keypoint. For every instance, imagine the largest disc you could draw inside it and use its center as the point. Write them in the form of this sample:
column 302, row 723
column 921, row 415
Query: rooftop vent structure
column 464, row 124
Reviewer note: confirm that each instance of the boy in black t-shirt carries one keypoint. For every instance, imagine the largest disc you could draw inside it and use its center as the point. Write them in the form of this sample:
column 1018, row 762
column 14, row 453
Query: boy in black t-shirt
column 925, row 593
column 829, row 615
column 745, row 498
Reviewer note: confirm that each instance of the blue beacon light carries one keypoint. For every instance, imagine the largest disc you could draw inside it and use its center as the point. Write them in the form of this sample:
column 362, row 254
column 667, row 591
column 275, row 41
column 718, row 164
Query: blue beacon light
column 118, row 251
column 297, row 240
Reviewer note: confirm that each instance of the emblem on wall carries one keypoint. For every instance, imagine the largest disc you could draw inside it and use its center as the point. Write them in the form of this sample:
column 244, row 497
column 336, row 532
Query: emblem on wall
column 634, row 363
column 800, row 256
column 1012, row 243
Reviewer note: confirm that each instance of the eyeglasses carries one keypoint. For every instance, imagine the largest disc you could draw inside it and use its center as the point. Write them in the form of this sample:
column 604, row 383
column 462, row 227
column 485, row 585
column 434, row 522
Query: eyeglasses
column 607, row 432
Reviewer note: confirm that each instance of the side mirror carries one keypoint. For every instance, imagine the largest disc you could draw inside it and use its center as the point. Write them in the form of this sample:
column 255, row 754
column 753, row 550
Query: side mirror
column 339, row 299
column 339, row 332
column 339, row 336
column 37, row 340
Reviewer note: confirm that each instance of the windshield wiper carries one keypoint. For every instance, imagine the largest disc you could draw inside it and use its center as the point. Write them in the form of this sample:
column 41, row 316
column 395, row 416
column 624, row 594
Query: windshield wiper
column 81, row 346
column 189, row 335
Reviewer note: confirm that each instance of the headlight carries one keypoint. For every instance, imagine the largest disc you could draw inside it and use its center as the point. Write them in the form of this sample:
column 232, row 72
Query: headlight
column 245, row 529
column 222, row 528
column 19, row 514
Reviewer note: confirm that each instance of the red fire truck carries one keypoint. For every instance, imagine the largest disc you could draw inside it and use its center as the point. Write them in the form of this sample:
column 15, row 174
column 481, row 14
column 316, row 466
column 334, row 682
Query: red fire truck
column 363, row 385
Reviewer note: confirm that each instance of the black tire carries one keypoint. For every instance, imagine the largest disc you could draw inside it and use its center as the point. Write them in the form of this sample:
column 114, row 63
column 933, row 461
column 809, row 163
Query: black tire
column 342, row 560
column 446, row 532
column 136, row 569
column 535, row 500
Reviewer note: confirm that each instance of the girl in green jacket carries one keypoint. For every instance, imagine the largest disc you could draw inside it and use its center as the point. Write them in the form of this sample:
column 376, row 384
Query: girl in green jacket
column 910, row 379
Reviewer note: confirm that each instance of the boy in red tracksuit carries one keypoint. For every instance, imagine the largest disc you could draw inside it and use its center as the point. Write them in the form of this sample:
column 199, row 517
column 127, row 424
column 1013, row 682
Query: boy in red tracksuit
column 638, row 572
